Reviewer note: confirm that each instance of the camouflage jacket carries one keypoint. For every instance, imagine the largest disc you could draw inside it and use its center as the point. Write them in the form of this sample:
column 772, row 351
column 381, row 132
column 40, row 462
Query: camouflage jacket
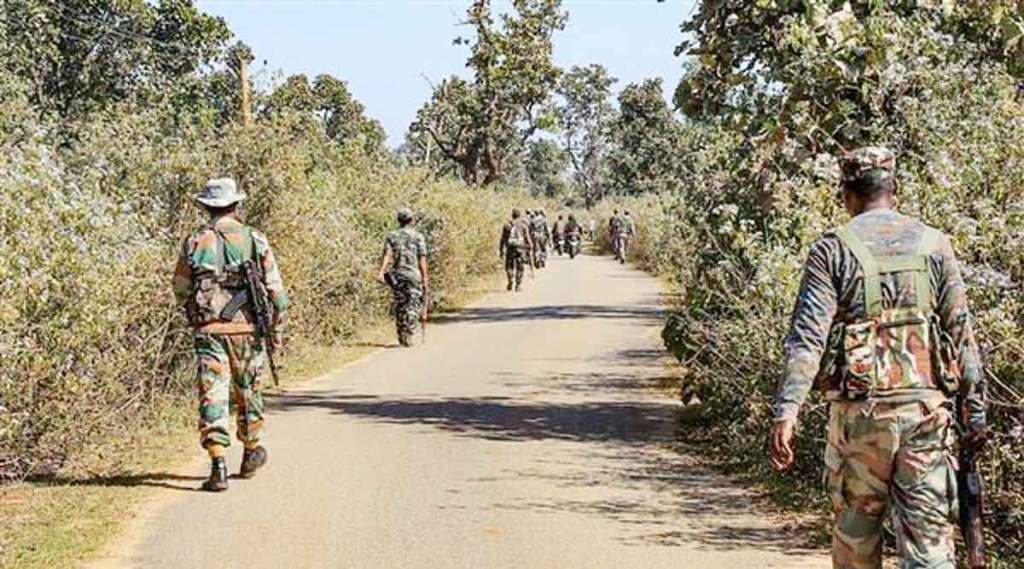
column 407, row 246
column 201, row 257
column 506, row 236
column 832, row 291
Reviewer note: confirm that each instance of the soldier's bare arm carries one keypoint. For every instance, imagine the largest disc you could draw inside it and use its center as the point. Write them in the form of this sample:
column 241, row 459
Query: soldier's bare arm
column 955, row 317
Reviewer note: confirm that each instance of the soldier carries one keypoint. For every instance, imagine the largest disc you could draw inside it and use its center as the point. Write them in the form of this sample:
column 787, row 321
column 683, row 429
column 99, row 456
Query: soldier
column 615, row 235
column 541, row 235
column 882, row 326
column 516, row 249
column 628, row 231
column 558, row 234
column 208, row 281
column 403, row 268
column 573, row 236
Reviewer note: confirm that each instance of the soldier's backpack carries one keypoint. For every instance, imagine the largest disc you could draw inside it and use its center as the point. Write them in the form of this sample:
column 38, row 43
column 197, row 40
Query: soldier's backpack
column 218, row 273
column 516, row 236
column 901, row 347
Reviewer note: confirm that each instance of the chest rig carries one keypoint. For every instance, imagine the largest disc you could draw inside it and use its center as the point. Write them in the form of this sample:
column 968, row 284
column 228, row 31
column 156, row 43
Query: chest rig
column 900, row 347
column 218, row 275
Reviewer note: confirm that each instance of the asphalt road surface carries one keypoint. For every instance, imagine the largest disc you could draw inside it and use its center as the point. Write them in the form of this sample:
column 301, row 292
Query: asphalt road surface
column 529, row 432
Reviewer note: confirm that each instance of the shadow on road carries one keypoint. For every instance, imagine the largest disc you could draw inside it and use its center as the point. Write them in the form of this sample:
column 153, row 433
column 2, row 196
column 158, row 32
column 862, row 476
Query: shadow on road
column 151, row 479
column 642, row 314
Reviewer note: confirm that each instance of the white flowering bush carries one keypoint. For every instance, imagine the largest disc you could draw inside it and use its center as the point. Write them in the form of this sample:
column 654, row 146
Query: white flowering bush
column 91, row 341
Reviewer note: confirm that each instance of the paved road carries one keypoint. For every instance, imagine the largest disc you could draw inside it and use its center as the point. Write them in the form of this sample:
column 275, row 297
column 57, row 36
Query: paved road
column 528, row 433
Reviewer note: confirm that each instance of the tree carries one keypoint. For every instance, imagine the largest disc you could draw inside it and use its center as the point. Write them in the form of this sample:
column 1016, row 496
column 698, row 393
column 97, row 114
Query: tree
column 831, row 74
column 585, row 118
column 546, row 165
column 647, row 155
column 482, row 123
column 80, row 56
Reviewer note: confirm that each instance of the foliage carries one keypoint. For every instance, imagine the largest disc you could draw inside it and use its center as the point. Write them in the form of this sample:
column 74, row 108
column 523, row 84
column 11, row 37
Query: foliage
column 646, row 137
column 482, row 124
column 546, row 165
column 775, row 92
column 80, row 56
column 585, row 117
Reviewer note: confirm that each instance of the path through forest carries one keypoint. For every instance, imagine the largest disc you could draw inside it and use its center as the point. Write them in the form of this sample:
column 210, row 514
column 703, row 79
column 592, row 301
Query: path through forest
column 528, row 432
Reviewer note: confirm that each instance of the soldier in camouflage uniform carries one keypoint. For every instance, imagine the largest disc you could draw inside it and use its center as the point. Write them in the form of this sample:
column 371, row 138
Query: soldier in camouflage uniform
column 541, row 235
column 558, row 235
column 615, row 235
column 881, row 326
column 208, row 276
column 404, row 269
column 516, row 249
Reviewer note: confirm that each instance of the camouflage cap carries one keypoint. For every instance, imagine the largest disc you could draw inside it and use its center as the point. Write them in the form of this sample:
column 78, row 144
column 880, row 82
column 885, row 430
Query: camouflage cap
column 220, row 192
column 404, row 214
column 862, row 161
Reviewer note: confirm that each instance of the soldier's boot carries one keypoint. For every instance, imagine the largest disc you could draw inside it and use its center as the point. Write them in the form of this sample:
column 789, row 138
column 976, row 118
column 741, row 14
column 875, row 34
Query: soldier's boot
column 252, row 460
column 404, row 339
column 509, row 287
column 218, row 480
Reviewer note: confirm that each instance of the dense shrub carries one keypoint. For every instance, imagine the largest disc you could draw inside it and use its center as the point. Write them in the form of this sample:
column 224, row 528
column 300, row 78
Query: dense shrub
column 90, row 338
column 734, row 239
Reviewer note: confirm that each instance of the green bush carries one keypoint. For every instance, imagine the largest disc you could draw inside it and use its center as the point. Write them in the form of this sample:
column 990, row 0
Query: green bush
column 734, row 240
column 90, row 337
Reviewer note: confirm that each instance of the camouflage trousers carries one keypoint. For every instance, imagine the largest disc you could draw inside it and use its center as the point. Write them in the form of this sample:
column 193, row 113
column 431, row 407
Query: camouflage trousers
column 620, row 244
column 540, row 251
column 229, row 378
column 408, row 303
column 515, row 265
column 892, row 458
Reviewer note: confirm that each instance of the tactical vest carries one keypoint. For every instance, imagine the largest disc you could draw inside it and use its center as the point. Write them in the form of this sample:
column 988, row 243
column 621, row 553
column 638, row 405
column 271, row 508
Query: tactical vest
column 898, row 348
column 216, row 281
column 516, row 236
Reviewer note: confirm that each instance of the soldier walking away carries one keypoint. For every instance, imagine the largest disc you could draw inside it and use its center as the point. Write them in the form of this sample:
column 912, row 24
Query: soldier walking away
column 516, row 249
column 541, row 236
column 882, row 326
column 212, row 283
column 558, row 235
column 403, row 268
column 616, row 234
column 628, row 231
column 573, row 237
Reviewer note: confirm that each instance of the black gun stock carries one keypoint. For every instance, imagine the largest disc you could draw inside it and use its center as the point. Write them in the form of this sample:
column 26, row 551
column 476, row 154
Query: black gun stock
column 263, row 312
column 972, row 510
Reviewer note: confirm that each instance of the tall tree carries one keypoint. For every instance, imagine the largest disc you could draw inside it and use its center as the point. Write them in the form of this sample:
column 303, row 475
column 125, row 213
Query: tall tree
column 585, row 118
column 482, row 123
column 546, row 165
column 647, row 136
column 80, row 55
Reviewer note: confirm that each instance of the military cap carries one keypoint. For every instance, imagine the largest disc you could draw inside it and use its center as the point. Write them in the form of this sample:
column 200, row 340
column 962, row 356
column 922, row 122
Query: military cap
column 863, row 161
column 404, row 214
column 220, row 192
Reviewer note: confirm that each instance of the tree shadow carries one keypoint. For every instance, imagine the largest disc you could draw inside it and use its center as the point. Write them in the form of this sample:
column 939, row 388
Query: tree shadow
column 151, row 479
column 642, row 314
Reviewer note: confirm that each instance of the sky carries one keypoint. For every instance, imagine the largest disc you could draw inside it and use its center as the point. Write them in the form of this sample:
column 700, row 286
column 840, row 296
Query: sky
column 389, row 51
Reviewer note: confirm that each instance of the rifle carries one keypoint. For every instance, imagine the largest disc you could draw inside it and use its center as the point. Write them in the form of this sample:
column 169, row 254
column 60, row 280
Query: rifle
column 262, row 311
column 972, row 512
column 426, row 313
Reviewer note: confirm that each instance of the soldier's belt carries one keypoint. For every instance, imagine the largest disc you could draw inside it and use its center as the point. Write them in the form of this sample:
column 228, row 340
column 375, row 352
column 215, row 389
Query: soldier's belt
column 894, row 396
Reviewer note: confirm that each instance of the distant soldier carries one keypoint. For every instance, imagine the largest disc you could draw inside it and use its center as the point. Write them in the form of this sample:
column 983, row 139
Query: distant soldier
column 592, row 230
column 616, row 236
column 403, row 268
column 881, row 325
column 516, row 249
column 628, row 232
column 541, row 235
column 211, row 284
column 573, row 236
column 557, row 233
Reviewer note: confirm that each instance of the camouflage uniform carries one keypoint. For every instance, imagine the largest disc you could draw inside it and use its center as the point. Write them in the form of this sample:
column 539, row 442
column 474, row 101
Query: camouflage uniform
column 540, row 235
column 871, row 340
column 230, row 358
column 573, row 235
column 558, row 234
column 616, row 226
column 407, row 247
column 516, row 247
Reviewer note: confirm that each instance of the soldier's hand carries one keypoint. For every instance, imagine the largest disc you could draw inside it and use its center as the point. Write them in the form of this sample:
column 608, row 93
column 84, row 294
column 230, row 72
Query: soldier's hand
column 380, row 278
column 781, row 443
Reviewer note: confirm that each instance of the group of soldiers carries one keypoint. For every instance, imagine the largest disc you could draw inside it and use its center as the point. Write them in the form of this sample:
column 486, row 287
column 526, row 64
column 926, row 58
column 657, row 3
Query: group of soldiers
column 881, row 326
column 525, row 242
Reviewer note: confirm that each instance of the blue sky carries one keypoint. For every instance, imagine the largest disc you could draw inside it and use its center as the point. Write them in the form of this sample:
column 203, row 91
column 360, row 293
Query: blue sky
column 385, row 48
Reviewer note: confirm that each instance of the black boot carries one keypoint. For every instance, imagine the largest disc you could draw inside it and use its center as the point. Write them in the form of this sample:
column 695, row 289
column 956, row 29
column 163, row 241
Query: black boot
column 218, row 480
column 252, row 460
